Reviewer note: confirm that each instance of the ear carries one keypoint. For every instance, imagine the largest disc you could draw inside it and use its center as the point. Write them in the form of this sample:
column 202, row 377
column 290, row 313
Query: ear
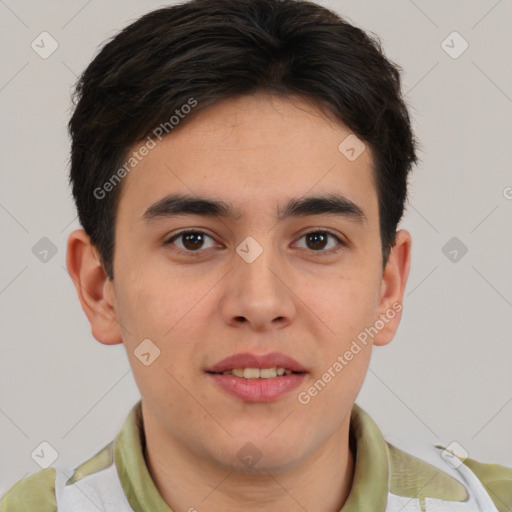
column 94, row 288
column 393, row 283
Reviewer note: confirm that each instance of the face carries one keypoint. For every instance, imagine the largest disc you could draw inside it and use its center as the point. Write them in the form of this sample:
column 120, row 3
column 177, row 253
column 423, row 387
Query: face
column 263, row 275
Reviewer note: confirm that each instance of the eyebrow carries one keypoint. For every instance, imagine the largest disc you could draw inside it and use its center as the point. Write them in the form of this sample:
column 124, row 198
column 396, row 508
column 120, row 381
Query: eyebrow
column 183, row 204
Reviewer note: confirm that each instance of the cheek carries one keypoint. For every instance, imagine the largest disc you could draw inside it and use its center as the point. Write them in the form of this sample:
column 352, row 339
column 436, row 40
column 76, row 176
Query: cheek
column 348, row 304
column 151, row 308
column 166, row 306
column 353, row 308
column 145, row 303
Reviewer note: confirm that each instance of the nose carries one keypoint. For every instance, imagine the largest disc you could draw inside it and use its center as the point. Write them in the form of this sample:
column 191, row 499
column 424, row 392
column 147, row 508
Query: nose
column 259, row 295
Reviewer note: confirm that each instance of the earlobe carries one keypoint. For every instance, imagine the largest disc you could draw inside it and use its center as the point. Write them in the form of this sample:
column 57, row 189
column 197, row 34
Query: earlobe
column 393, row 284
column 94, row 288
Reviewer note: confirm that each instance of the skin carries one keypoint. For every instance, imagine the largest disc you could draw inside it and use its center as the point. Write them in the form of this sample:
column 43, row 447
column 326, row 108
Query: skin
column 255, row 152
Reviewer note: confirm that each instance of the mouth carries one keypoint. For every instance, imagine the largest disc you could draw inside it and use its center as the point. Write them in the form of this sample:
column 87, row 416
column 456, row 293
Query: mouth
column 252, row 366
column 257, row 373
column 255, row 378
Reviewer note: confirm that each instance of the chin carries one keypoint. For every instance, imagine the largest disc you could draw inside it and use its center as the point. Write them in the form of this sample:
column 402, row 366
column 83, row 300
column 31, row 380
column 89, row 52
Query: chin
column 260, row 453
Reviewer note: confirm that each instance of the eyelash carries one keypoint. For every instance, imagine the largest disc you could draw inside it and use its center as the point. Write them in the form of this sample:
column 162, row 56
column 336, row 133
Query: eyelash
column 199, row 252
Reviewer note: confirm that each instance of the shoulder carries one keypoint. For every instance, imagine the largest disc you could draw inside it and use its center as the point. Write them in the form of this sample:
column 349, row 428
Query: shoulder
column 497, row 481
column 412, row 476
column 35, row 493
column 39, row 492
column 449, row 479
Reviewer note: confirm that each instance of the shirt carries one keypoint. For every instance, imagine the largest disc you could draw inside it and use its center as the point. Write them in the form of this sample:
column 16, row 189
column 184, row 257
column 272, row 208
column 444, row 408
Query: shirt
column 386, row 479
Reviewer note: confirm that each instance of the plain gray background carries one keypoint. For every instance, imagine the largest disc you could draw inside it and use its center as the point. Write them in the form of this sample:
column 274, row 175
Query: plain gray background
column 446, row 376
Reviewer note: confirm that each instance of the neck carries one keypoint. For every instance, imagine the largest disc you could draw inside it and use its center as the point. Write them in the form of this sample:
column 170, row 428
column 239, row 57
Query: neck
column 187, row 482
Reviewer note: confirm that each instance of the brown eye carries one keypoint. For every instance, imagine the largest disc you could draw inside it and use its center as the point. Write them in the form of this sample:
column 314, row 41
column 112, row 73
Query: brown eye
column 317, row 241
column 191, row 241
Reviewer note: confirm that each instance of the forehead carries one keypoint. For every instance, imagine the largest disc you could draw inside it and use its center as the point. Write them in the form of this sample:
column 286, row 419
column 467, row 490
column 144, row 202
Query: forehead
column 251, row 150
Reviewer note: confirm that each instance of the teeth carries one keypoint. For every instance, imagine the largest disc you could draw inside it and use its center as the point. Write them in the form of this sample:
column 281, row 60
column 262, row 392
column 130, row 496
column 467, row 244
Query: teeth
column 267, row 373
column 256, row 373
column 251, row 373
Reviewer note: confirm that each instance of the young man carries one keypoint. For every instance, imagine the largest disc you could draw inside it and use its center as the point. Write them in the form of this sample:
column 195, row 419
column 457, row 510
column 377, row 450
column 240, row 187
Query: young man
column 240, row 168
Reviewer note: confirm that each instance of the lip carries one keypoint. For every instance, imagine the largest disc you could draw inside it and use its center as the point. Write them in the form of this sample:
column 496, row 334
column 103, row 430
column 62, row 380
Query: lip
column 258, row 390
column 248, row 360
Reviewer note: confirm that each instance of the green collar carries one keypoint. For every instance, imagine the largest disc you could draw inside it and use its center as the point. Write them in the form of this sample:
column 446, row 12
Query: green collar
column 137, row 483
column 370, row 486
